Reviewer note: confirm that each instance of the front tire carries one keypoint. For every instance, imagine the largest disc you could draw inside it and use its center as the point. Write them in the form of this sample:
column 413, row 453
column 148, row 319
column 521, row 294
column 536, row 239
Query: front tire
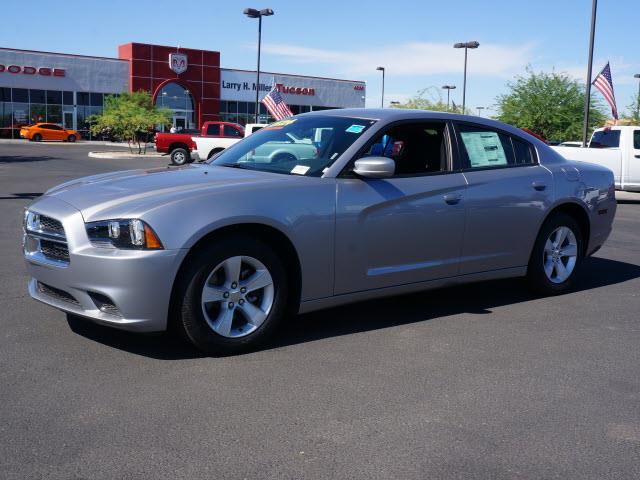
column 231, row 296
column 180, row 156
column 557, row 255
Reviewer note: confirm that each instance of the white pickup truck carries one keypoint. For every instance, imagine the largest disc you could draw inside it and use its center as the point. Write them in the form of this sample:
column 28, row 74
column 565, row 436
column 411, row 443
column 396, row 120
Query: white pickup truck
column 207, row 147
column 617, row 148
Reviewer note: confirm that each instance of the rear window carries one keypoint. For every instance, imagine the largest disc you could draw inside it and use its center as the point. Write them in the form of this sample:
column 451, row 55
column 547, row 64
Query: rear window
column 213, row 129
column 605, row 139
column 636, row 139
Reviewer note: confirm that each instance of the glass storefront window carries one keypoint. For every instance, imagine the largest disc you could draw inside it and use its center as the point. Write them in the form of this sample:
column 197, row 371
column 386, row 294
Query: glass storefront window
column 54, row 114
column 37, row 96
column 96, row 99
column 20, row 95
column 38, row 113
column 178, row 99
column 83, row 98
column 5, row 94
column 67, row 98
column 5, row 119
column 54, row 97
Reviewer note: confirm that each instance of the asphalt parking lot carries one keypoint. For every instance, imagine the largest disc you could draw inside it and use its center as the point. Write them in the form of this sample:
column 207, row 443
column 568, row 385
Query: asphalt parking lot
column 482, row 381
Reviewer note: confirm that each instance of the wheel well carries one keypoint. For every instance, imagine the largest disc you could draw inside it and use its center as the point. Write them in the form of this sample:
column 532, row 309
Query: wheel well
column 578, row 213
column 272, row 237
column 173, row 146
column 214, row 151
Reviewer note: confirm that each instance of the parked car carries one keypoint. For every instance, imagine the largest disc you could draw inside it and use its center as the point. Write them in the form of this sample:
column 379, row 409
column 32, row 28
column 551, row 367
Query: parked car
column 48, row 131
column 617, row 148
column 394, row 201
column 226, row 135
column 181, row 145
column 250, row 128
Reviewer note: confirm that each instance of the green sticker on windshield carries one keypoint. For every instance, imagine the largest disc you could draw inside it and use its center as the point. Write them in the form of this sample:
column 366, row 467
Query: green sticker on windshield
column 355, row 129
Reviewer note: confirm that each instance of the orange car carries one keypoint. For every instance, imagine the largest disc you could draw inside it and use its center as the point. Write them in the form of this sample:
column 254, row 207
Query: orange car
column 48, row 131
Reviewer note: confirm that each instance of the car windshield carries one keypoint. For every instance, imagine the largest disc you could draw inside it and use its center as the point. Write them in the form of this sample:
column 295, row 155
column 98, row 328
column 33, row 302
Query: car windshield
column 305, row 145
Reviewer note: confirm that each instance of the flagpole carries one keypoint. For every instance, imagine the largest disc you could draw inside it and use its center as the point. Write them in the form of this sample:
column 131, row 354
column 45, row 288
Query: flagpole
column 587, row 98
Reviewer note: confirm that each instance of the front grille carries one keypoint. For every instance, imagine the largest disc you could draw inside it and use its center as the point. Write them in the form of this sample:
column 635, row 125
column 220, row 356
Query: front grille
column 54, row 250
column 45, row 239
column 56, row 293
column 51, row 225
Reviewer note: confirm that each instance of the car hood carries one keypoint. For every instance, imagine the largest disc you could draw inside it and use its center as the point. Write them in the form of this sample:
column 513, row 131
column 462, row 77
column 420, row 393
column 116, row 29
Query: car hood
column 132, row 192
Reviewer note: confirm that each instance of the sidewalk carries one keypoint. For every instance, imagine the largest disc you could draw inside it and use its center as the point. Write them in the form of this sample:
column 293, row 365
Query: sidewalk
column 79, row 142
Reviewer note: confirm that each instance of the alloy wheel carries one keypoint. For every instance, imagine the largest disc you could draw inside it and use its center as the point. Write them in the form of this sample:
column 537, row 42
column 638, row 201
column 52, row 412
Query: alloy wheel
column 560, row 254
column 237, row 296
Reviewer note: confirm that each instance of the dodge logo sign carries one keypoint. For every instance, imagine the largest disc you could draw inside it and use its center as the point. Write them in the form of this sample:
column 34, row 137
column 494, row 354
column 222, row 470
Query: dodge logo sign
column 178, row 62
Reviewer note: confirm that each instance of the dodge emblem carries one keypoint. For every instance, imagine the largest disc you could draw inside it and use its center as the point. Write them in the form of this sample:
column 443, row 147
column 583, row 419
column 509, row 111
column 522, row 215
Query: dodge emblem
column 178, row 62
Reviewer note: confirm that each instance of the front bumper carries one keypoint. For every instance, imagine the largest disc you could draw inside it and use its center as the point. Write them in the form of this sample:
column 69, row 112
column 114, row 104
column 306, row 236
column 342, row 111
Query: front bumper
column 127, row 289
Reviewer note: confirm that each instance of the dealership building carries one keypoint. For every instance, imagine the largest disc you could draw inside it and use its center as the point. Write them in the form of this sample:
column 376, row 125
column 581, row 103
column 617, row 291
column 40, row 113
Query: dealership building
column 67, row 89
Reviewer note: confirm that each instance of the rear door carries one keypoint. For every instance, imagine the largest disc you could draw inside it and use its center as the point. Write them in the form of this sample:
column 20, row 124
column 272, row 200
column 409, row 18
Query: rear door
column 634, row 161
column 507, row 197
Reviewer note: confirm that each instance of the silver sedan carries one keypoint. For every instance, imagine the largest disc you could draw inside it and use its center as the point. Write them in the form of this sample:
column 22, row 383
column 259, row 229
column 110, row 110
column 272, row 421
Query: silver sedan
column 387, row 202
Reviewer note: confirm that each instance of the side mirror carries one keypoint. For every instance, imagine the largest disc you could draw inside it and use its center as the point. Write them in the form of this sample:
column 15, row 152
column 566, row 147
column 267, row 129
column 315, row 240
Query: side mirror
column 375, row 167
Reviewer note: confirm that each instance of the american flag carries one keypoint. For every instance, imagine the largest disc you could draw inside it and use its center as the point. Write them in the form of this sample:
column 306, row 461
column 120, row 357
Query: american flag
column 604, row 83
column 276, row 105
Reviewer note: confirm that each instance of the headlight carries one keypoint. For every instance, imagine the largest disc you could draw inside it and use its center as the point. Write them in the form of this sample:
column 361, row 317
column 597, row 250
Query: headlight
column 123, row 233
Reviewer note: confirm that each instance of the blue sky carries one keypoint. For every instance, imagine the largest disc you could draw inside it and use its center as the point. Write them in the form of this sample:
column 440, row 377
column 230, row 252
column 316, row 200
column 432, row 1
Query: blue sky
column 347, row 39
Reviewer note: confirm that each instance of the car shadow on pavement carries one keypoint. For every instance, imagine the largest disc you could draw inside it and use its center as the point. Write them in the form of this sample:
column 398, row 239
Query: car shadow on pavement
column 371, row 315
column 24, row 158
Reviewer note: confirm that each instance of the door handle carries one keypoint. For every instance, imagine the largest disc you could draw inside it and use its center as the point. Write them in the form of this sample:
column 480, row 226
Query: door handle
column 452, row 198
column 540, row 186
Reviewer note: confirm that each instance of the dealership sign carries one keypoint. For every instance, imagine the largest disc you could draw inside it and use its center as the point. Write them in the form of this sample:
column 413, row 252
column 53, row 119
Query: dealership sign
column 26, row 70
column 178, row 62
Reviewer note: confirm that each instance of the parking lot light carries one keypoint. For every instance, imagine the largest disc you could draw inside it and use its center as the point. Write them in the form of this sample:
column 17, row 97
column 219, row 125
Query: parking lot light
column 448, row 88
column 254, row 13
column 382, row 100
column 466, row 46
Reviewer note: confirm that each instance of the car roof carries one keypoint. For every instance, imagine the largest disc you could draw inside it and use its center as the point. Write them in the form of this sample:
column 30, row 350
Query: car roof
column 398, row 114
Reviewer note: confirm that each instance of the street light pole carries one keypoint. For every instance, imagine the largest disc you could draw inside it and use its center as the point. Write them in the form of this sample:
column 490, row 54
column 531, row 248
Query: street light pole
column 448, row 88
column 466, row 46
column 637, row 75
column 253, row 13
column 382, row 99
column 587, row 95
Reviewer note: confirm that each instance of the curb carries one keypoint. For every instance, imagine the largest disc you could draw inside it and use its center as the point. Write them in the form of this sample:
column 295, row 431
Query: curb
column 116, row 155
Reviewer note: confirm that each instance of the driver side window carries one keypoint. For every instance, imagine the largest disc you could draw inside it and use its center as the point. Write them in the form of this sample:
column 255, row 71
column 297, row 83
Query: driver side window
column 416, row 148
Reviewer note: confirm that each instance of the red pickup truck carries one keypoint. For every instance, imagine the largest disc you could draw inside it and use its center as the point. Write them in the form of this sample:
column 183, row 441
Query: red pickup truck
column 180, row 145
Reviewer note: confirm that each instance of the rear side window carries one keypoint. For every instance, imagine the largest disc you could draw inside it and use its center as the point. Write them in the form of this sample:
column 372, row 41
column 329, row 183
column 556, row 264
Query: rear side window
column 229, row 131
column 486, row 148
column 605, row 139
column 213, row 129
column 523, row 152
column 636, row 139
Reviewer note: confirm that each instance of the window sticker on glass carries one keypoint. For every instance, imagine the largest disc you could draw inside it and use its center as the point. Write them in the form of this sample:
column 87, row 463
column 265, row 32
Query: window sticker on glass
column 280, row 124
column 484, row 149
column 355, row 129
column 300, row 170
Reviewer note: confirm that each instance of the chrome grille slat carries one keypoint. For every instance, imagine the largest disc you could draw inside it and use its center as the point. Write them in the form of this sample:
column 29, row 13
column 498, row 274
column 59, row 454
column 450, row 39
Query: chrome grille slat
column 56, row 293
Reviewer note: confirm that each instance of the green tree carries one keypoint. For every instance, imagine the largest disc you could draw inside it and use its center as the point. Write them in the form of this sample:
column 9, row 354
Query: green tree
column 428, row 98
column 130, row 116
column 549, row 104
column 632, row 115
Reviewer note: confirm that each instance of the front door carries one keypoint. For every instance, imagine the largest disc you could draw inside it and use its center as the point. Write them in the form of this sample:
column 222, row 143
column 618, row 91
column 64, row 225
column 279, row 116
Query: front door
column 179, row 122
column 67, row 120
column 403, row 229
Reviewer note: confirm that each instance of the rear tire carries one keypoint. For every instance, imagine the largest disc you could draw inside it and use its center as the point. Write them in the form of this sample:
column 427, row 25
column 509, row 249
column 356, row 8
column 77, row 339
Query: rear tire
column 180, row 156
column 214, row 152
column 557, row 255
column 231, row 296
column 37, row 137
column 72, row 138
